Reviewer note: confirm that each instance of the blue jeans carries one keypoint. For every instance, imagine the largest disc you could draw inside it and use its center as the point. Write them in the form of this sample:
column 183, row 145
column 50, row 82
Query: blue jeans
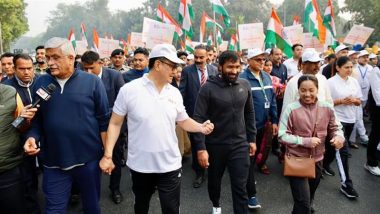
column 57, row 187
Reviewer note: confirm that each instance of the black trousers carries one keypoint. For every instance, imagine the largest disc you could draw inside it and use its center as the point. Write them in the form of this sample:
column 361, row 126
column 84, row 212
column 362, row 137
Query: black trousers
column 199, row 171
column 12, row 190
column 374, row 137
column 330, row 153
column 118, row 158
column 30, row 176
column 168, row 186
column 251, row 186
column 303, row 191
column 236, row 158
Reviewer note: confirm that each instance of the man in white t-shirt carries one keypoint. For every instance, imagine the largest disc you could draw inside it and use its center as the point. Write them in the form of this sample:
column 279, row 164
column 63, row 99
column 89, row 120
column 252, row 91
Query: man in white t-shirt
column 153, row 106
column 292, row 63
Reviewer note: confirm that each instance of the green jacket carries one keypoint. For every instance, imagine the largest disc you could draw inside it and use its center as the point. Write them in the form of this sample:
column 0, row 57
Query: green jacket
column 10, row 146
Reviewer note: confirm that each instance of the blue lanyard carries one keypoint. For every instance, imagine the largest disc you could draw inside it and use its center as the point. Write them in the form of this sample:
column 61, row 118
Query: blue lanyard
column 361, row 73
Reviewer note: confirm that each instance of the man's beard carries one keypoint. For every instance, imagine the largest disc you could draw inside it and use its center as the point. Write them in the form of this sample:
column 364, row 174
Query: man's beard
column 229, row 79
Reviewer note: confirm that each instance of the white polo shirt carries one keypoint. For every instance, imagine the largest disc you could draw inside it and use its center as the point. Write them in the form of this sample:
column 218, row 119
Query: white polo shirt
column 374, row 81
column 151, row 117
column 363, row 79
column 292, row 66
column 292, row 95
column 341, row 89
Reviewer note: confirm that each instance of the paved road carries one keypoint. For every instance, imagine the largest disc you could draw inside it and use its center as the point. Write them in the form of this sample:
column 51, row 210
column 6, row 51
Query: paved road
column 273, row 192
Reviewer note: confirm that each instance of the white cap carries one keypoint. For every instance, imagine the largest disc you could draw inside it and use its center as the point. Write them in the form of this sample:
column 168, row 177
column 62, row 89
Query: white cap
column 254, row 52
column 363, row 53
column 190, row 57
column 165, row 50
column 352, row 52
column 372, row 56
column 341, row 47
column 310, row 55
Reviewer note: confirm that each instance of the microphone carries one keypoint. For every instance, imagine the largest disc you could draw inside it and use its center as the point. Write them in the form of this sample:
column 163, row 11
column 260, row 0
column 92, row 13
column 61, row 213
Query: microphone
column 43, row 95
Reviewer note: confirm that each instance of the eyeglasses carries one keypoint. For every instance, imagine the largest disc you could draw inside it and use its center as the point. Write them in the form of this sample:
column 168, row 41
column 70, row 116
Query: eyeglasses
column 259, row 59
column 172, row 66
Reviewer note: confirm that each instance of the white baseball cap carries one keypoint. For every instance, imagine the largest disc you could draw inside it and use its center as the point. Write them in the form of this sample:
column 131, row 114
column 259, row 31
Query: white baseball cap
column 165, row 50
column 311, row 55
column 363, row 53
column 352, row 52
column 254, row 52
column 372, row 56
column 340, row 48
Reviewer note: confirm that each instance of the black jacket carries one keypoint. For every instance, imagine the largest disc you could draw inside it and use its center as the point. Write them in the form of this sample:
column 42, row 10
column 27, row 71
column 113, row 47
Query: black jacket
column 230, row 108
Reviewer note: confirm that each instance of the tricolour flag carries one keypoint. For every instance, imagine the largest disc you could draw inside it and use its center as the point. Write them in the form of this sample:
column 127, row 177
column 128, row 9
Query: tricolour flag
column 219, row 40
column 83, row 34
column 313, row 22
column 164, row 16
column 207, row 23
column 72, row 38
column 233, row 45
column 209, row 39
column 296, row 20
column 189, row 45
column 275, row 35
column 218, row 8
column 186, row 15
column 95, row 40
column 328, row 18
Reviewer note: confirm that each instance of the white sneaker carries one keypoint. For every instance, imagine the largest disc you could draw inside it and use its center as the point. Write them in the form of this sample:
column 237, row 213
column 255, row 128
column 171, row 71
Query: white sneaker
column 374, row 170
column 216, row 210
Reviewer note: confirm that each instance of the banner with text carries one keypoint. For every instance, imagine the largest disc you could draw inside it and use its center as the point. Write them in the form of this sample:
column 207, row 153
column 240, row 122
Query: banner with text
column 251, row 35
column 358, row 35
column 155, row 32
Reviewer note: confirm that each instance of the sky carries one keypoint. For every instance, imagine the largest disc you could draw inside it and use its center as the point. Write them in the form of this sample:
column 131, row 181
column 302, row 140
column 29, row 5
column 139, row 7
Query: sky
column 37, row 11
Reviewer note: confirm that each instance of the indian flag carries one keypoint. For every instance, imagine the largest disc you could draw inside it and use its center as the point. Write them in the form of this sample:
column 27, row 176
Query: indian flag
column 233, row 45
column 95, row 39
column 209, row 39
column 72, row 38
column 186, row 15
column 164, row 16
column 275, row 35
column 207, row 23
column 328, row 18
column 189, row 45
column 218, row 7
column 83, row 34
column 296, row 20
column 219, row 40
column 313, row 21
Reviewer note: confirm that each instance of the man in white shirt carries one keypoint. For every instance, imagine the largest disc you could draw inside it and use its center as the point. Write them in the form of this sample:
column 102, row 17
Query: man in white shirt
column 292, row 63
column 152, row 106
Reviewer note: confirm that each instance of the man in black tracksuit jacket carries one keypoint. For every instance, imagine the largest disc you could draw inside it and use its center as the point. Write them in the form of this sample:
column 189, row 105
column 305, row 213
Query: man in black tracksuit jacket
column 227, row 101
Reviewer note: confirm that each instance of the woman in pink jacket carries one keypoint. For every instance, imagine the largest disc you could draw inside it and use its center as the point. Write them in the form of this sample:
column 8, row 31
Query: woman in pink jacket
column 301, row 121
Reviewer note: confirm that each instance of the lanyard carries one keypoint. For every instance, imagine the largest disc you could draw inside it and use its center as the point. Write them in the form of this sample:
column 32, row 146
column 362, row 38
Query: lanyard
column 361, row 73
column 262, row 86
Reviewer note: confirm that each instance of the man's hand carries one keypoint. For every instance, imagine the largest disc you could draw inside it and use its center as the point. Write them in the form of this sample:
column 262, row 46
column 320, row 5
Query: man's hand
column 30, row 147
column 106, row 165
column 203, row 158
column 275, row 129
column 337, row 142
column 315, row 142
column 207, row 127
column 252, row 148
column 27, row 112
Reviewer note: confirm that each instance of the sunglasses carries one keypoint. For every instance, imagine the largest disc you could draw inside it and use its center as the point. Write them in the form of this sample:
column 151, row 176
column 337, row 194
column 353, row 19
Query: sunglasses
column 259, row 59
column 171, row 65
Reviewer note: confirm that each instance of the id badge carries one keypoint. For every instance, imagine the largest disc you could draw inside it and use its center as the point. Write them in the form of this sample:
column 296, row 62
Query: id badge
column 267, row 105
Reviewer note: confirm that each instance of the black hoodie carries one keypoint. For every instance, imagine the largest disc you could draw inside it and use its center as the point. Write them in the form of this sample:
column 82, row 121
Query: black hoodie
column 229, row 106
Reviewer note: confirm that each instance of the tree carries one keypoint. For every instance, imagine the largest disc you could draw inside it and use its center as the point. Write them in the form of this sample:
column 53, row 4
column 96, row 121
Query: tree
column 13, row 21
column 367, row 13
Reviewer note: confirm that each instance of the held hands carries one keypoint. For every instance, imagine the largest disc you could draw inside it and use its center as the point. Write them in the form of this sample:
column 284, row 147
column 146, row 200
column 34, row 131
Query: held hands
column 30, row 147
column 106, row 164
column 337, row 142
column 315, row 142
column 207, row 127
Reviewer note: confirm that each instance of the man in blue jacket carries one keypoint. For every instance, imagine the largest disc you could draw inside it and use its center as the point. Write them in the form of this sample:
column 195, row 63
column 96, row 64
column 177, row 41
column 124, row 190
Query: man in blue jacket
column 73, row 123
column 113, row 81
column 140, row 65
column 264, row 101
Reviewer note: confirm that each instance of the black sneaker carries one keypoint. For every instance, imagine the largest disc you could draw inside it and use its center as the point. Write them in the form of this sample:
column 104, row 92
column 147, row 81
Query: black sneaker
column 349, row 192
column 328, row 171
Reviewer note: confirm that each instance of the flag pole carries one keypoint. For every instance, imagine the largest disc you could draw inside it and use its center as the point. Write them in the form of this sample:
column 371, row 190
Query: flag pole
column 214, row 30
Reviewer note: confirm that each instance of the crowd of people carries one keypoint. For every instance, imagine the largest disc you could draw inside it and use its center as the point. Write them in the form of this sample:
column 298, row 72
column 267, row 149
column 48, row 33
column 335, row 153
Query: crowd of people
column 228, row 110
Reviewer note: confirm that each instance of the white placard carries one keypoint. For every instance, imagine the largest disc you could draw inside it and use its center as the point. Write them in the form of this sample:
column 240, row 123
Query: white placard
column 358, row 35
column 136, row 40
column 251, row 35
column 155, row 32
column 81, row 47
column 309, row 41
column 106, row 46
column 294, row 34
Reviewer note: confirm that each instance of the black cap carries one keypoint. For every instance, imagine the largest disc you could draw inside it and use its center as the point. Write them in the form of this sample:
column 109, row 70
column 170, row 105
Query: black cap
column 117, row 52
